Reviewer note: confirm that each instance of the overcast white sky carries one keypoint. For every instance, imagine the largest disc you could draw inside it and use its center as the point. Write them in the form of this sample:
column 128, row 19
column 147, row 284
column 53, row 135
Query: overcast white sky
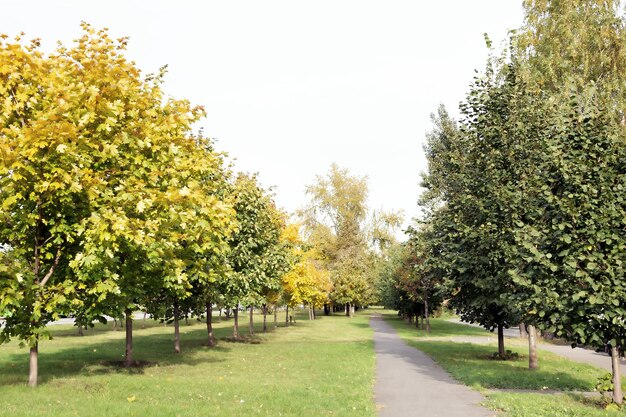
column 292, row 86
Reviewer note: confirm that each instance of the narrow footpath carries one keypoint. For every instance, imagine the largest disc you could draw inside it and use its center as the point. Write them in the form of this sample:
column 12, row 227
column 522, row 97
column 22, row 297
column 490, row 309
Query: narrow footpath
column 409, row 383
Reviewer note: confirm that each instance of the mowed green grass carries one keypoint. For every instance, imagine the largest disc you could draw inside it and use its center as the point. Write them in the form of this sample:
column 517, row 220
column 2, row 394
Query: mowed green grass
column 471, row 364
column 315, row 368
column 543, row 405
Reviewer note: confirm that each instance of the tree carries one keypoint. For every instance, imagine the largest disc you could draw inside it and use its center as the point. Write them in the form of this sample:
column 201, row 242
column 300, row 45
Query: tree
column 306, row 282
column 468, row 209
column 253, row 258
column 336, row 223
column 99, row 176
column 570, row 245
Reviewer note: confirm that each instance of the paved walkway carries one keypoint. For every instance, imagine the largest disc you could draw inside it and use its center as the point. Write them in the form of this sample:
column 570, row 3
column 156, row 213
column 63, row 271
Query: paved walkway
column 409, row 383
column 598, row 359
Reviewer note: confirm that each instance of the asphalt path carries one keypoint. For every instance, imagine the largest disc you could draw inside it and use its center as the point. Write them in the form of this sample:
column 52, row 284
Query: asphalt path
column 409, row 383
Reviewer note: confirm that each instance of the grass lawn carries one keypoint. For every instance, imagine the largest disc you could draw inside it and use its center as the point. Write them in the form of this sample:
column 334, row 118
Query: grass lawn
column 320, row 368
column 471, row 364
column 536, row 405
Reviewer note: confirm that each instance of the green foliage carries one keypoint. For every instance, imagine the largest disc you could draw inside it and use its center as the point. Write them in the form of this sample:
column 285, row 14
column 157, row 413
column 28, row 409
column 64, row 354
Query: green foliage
column 604, row 385
column 525, row 195
column 258, row 259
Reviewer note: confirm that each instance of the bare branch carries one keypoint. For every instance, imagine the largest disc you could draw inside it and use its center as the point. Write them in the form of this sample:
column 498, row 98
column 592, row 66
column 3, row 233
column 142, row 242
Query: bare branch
column 52, row 268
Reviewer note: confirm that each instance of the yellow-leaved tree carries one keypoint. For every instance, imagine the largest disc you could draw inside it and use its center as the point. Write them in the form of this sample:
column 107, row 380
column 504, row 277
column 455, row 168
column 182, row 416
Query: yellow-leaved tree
column 307, row 282
column 106, row 195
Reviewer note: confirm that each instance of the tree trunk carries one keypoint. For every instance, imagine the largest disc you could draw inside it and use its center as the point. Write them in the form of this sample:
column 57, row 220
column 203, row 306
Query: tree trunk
column 264, row 318
column 176, row 328
column 617, row 378
column 287, row 316
column 251, row 325
column 33, row 370
column 501, row 351
column 351, row 310
column 209, row 324
column 114, row 324
column 326, row 310
column 426, row 313
column 533, row 362
column 128, row 356
column 236, row 322
column 523, row 333
column 143, row 324
column 314, row 315
column 347, row 309
column 80, row 330
column 275, row 317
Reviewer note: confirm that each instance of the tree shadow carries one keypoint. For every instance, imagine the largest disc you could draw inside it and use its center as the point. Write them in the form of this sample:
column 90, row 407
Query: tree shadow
column 104, row 357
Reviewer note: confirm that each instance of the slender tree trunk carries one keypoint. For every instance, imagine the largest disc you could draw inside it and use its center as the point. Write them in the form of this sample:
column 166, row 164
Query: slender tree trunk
column 80, row 330
column 275, row 317
column 351, row 310
column 313, row 308
column 287, row 316
column 236, row 322
column 33, row 370
column 251, row 325
column 426, row 313
column 523, row 333
column 533, row 361
column 209, row 324
column 264, row 318
column 176, row 328
column 128, row 356
column 501, row 351
column 617, row 378
column 114, row 324
column 347, row 309
column 143, row 324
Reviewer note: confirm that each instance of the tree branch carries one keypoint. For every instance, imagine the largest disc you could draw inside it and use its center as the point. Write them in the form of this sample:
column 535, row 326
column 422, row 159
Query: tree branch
column 52, row 268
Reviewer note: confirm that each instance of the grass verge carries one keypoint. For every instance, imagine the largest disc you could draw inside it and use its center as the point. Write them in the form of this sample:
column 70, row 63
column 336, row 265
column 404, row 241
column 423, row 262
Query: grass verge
column 319, row 368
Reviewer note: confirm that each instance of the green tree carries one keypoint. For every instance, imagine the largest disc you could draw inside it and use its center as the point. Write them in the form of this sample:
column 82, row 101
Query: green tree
column 570, row 245
column 253, row 258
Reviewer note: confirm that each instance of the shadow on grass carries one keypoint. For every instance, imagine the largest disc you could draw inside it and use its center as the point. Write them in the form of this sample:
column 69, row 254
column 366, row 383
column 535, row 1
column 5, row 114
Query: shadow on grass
column 103, row 357
column 470, row 364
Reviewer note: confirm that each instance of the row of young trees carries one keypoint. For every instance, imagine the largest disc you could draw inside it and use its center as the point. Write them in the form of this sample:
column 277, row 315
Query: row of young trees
column 524, row 195
column 110, row 202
